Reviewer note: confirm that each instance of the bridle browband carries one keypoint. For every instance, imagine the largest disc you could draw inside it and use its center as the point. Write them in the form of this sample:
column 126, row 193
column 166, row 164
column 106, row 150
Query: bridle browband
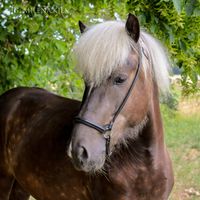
column 105, row 130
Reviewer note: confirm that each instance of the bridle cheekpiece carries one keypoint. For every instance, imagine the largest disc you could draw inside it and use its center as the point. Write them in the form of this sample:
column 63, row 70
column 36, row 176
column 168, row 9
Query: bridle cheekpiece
column 105, row 130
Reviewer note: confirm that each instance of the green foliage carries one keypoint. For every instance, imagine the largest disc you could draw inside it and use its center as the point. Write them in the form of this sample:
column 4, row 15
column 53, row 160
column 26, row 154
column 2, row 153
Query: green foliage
column 36, row 38
column 177, row 24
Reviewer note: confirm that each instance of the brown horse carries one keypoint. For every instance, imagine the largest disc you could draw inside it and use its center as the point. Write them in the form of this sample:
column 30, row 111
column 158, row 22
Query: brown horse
column 35, row 128
column 119, row 131
column 116, row 149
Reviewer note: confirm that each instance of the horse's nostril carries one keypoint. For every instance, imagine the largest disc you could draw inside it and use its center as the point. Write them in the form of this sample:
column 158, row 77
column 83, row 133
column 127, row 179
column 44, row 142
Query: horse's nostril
column 82, row 154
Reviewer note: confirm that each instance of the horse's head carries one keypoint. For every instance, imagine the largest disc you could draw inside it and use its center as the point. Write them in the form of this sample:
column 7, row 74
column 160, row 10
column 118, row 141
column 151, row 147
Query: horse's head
column 118, row 91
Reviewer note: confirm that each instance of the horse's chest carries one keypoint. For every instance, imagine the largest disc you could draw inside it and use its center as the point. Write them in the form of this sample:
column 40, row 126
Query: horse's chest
column 148, row 187
column 139, row 186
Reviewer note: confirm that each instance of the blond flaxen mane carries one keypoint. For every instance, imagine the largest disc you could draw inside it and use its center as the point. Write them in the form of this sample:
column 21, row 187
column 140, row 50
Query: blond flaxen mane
column 105, row 46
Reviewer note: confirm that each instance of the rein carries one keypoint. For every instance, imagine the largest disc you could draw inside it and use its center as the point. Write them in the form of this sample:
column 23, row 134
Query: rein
column 105, row 130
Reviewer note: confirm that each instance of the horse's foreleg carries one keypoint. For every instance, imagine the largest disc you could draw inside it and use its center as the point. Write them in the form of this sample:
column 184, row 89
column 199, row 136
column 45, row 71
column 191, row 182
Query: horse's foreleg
column 18, row 193
column 6, row 183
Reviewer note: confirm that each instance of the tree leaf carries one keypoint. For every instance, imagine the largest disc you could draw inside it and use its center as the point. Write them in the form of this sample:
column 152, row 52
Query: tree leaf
column 177, row 5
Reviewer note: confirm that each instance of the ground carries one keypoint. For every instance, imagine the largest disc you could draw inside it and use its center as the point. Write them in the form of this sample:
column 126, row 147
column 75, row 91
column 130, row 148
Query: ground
column 183, row 141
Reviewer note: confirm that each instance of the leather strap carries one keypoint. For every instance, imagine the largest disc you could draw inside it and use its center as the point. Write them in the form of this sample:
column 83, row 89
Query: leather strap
column 105, row 130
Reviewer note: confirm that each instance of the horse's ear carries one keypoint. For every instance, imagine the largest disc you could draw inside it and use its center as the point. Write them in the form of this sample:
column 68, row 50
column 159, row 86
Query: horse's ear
column 82, row 26
column 133, row 27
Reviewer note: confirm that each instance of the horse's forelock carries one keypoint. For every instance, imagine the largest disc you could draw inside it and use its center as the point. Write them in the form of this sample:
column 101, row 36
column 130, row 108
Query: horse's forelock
column 105, row 47
column 101, row 50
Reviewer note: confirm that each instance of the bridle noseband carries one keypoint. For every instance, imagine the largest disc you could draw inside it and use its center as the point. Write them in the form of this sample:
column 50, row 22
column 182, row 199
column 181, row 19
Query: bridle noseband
column 105, row 130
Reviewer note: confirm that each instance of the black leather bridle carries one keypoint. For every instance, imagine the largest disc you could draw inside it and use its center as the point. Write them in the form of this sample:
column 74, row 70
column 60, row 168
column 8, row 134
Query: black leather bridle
column 105, row 130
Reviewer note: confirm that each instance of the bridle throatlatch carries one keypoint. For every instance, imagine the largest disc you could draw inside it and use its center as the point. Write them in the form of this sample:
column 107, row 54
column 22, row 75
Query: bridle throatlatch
column 105, row 130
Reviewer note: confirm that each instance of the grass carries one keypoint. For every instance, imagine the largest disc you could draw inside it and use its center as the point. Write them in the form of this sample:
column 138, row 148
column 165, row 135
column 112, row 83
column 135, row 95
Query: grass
column 182, row 134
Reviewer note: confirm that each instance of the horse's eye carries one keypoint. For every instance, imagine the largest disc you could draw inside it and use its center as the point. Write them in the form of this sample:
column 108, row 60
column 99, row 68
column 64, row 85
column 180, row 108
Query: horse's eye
column 119, row 80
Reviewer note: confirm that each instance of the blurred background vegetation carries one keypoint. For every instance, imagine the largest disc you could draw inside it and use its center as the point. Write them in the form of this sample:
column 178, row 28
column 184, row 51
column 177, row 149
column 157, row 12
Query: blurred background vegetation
column 36, row 38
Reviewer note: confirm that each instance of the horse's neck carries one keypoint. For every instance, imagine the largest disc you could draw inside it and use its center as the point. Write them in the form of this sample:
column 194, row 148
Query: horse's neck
column 138, row 167
column 155, row 129
column 148, row 149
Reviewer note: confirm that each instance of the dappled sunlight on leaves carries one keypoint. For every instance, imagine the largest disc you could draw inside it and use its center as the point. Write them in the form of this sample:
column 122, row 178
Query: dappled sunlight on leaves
column 35, row 35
